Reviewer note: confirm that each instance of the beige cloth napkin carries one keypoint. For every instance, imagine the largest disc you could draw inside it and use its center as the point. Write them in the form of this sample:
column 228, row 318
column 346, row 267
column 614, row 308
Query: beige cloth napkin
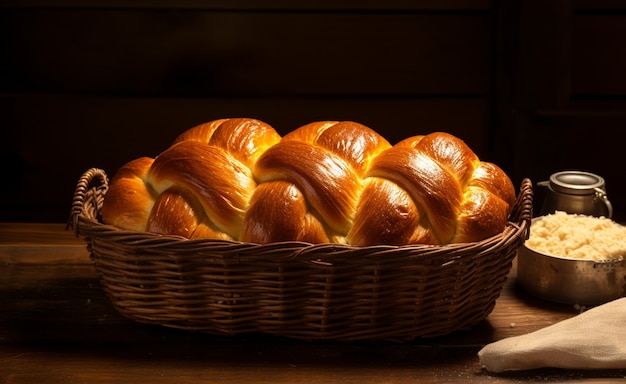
column 594, row 339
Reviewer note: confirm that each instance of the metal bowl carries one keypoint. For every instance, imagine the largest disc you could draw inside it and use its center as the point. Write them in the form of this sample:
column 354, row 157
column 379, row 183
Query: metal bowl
column 570, row 281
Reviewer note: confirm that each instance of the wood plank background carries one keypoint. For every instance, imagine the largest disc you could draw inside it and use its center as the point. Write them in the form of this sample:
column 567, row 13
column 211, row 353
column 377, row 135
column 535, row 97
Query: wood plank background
column 534, row 87
column 568, row 98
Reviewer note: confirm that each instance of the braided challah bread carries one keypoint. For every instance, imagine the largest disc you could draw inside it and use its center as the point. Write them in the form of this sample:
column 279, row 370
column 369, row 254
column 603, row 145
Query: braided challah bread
column 325, row 182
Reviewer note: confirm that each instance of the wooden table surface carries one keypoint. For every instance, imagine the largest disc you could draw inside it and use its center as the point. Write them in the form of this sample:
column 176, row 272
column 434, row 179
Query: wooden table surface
column 57, row 326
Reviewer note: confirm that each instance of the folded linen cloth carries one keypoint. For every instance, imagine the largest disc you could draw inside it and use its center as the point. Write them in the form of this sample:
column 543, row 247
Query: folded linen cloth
column 594, row 339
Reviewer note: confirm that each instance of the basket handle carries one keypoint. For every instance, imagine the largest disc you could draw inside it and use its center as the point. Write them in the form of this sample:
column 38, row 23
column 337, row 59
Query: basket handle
column 88, row 197
column 523, row 211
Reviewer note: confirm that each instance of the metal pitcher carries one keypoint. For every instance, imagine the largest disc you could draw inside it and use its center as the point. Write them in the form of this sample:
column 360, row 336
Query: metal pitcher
column 576, row 192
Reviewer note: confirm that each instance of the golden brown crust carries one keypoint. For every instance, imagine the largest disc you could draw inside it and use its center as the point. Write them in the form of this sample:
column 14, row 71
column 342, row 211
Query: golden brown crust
column 278, row 212
column 434, row 189
column 386, row 214
column 221, row 183
column 201, row 133
column 450, row 153
column 129, row 199
column 490, row 177
column 354, row 143
column 177, row 212
column 327, row 181
column 245, row 139
column 482, row 215
column 199, row 187
column 457, row 197
column 173, row 214
column 326, row 161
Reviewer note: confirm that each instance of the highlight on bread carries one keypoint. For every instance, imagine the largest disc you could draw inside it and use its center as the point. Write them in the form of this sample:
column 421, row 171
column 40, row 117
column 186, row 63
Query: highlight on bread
column 325, row 182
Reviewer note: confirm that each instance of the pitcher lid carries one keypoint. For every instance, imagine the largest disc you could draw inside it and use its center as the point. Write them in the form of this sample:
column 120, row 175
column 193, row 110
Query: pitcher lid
column 576, row 182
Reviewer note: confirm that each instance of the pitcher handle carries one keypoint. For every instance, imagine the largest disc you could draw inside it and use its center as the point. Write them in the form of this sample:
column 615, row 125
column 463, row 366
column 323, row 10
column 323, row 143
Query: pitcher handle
column 601, row 194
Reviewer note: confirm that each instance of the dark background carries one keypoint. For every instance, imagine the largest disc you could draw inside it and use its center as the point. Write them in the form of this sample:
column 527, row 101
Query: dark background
column 534, row 86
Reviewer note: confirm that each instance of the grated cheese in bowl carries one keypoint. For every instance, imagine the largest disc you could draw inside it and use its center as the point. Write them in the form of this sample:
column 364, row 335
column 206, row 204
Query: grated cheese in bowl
column 577, row 236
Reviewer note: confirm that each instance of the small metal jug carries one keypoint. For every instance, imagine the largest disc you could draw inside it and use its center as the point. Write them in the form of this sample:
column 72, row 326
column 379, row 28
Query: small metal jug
column 576, row 192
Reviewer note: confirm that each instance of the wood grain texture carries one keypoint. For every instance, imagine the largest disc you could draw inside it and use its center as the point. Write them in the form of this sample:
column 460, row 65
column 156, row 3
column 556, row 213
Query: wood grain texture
column 57, row 326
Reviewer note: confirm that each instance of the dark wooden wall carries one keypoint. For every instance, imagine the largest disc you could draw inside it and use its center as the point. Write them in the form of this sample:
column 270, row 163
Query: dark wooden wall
column 530, row 86
column 564, row 100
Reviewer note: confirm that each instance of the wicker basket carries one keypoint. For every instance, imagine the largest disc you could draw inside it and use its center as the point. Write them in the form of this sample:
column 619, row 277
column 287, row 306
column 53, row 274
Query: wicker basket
column 294, row 289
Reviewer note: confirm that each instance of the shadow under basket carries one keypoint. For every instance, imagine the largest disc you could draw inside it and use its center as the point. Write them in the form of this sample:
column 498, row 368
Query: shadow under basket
column 295, row 289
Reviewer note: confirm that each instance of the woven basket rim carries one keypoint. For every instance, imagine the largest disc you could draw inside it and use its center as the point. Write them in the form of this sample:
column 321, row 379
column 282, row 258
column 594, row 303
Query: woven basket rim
column 240, row 287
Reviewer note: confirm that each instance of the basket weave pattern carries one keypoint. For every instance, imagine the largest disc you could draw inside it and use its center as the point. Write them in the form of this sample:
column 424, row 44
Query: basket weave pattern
column 294, row 289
